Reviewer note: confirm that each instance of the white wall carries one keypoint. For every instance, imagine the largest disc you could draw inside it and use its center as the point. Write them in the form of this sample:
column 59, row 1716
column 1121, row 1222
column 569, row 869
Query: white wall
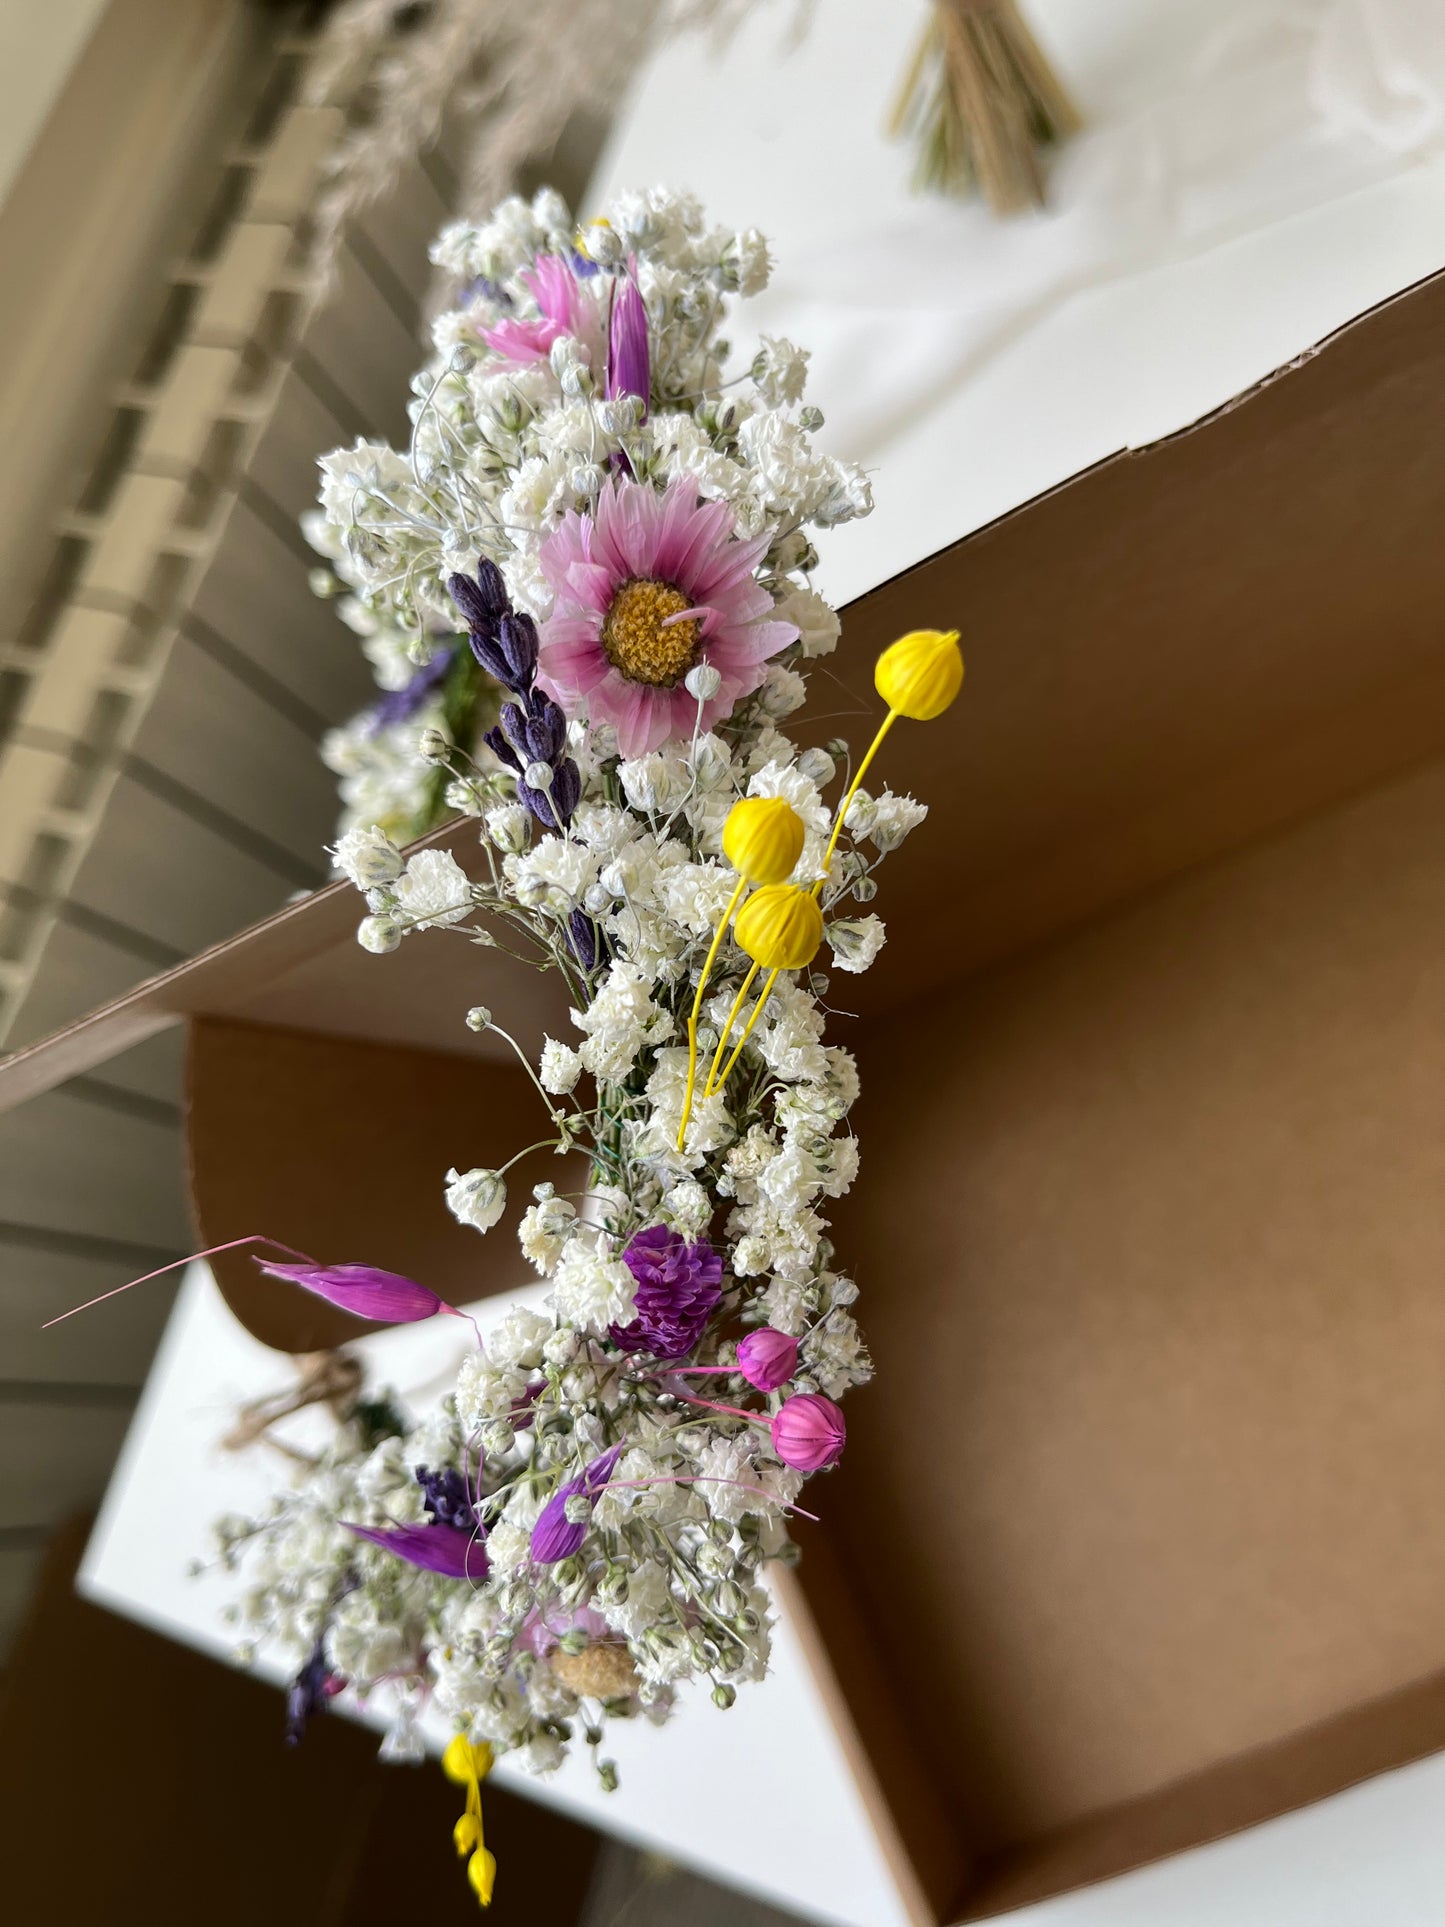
column 39, row 44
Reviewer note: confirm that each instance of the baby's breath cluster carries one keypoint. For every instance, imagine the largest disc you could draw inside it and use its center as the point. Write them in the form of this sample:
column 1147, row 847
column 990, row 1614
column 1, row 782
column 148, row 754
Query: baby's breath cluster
column 505, row 443
column 619, row 534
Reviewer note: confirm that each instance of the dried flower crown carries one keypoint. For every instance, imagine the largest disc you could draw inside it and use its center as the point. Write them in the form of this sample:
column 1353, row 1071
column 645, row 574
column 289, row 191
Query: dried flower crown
column 619, row 533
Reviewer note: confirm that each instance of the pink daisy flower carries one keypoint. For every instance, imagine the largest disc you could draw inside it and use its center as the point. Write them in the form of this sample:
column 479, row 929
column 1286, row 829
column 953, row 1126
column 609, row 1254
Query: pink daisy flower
column 564, row 307
column 644, row 588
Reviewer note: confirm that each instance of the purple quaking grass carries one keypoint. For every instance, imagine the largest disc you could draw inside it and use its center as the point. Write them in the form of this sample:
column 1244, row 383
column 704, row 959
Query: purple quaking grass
column 451, row 1551
column 555, row 1536
column 629, row 363
column 383, row 1297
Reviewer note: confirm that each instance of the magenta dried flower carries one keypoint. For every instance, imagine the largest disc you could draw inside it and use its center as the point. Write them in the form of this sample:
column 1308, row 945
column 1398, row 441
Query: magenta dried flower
column 629, row 366
column 808, row 1432
column 679, row 1286
column 383, row 1296
column 767, row 1359
column 555, row 1536
column 456, row 1552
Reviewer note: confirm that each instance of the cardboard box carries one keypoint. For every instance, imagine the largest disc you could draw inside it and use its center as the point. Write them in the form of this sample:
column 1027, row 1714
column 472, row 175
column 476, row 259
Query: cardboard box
column 1141, row 1515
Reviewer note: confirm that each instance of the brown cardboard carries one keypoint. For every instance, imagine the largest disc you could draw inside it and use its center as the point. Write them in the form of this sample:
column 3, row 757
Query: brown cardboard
column 338, row 1148
column 1137, row 1539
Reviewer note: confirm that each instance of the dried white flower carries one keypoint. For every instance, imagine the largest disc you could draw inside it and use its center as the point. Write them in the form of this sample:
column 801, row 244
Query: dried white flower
column 477, row 1198
column 560, row 1067
column 367, row 856
column 434, row 890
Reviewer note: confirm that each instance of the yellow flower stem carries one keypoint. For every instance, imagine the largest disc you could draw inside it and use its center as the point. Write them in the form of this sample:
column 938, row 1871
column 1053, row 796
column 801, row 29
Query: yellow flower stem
column 722, row 1042
column 873, row 748
column 718, row 934
column 773, row 976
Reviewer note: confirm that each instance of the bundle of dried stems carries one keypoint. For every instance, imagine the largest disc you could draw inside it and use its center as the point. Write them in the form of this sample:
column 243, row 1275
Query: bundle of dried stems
column 981, row 100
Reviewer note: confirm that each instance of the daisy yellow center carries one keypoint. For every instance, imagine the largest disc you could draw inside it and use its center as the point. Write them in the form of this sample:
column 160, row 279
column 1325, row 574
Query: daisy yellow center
column 638, row 639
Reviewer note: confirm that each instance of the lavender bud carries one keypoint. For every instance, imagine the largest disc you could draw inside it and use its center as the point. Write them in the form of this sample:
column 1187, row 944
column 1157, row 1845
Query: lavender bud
column 517, row 641
column 484, row 601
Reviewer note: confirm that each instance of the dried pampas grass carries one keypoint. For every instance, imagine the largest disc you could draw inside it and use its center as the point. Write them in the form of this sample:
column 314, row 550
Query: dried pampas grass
column 516, row 73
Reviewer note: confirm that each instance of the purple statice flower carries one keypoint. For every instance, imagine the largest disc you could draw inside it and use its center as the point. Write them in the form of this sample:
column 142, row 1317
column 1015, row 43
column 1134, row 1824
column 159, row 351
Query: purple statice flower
column 455, row 1552
column 678, row 1289
column 629, row 364
column 397, row 705
column 309, row 1692
column 446, row 1498
column 555, row 1536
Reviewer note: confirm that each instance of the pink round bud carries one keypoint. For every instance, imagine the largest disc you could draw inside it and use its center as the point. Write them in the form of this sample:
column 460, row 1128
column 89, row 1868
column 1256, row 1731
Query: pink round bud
column 768, row 1358
column 808, row 1432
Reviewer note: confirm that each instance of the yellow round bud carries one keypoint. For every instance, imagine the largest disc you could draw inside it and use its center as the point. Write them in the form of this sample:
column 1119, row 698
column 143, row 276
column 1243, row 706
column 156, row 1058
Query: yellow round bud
column 465, row 1835
column 763, row 838
column 921, row 673
column 780, row 927
column 482, row 1872
column 464, row 1762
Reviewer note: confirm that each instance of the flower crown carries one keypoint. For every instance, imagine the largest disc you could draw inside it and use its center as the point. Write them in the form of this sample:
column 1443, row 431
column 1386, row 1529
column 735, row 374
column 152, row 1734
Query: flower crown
column 607, row 540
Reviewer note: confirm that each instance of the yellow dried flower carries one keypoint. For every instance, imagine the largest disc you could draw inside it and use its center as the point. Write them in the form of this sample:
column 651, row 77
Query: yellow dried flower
column 482, row 1872
column 469, row 1765
column 919, row 675
column 464, row 1762
column 763, row 838
column 780, row 927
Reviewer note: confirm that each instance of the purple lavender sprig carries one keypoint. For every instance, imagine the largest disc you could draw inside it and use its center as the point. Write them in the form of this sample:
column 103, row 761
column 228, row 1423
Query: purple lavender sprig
column 532, row 733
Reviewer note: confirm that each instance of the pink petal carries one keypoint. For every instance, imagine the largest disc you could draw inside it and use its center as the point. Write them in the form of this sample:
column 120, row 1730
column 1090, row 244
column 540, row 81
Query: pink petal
column 451, row 1551
column 383, row 1296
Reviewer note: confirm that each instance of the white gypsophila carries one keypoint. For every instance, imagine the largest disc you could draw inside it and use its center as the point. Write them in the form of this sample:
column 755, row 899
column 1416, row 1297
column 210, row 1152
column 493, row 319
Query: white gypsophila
column 544, row 1230
column 477, row 1198
column 590, row 1288
column 433, row 890
column 780, row 370
column 516, row 1340
column 559, row 1068
column 619, row 1021
column 893, row 818
column 509, row 827
column 366, row 856
column 855, row 941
